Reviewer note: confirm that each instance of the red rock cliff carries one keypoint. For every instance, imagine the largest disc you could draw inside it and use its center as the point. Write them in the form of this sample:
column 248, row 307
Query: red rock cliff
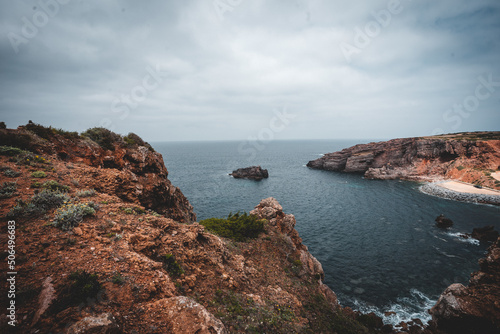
column 467, row 157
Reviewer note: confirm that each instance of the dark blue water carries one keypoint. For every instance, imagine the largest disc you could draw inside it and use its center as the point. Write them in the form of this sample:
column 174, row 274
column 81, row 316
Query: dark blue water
column 376, row 240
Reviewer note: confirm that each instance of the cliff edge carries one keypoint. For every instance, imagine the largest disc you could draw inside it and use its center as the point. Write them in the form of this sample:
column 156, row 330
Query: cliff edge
column 474, row 309
column 468, row 157
column 105, row 244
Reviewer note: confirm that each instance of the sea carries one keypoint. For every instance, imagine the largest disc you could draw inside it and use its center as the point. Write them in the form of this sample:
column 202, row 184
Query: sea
column 377, row 240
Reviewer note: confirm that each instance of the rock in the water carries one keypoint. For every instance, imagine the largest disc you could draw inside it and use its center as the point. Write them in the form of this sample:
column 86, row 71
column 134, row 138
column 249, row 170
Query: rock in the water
column 486, row 233
column 443, row 222
column 102, row 324
column 254, row 173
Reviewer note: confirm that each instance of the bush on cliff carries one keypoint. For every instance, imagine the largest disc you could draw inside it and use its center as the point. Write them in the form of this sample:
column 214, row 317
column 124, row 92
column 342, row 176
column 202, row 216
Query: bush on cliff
column 104, row 137
column 237, row 227
column 39, row 203
column 48, row 132
column 132, row 139
column 70, row 215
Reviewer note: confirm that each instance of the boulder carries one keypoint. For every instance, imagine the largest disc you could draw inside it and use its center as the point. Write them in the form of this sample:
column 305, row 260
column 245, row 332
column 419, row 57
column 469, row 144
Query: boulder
column 475, row 308
column 102, row 324
column 443, row 222
column 253, row 173
column 486, row 233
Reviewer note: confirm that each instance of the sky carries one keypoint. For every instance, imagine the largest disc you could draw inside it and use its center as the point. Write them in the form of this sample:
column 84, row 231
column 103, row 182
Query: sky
column 252, row 69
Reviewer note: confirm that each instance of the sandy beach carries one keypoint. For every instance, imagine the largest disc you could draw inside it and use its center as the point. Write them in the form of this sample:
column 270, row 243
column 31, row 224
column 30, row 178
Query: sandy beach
column 496, row 175
column 466, row 188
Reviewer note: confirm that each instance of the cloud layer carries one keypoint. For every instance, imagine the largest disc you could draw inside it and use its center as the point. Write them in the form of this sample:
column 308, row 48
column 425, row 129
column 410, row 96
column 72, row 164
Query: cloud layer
column 219, row 69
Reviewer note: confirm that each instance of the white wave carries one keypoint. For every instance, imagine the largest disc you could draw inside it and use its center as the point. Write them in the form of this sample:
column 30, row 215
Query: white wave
column 405, row 309
column 460, row 237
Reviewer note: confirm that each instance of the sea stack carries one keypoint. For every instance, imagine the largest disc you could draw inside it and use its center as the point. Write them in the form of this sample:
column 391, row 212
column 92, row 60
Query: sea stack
column 253, row 173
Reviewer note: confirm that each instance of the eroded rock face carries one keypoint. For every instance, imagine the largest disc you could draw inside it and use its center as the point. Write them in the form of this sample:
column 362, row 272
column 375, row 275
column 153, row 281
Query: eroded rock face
column 253, row 173
column 475, row 308
column 416, row 158
column 135, row 174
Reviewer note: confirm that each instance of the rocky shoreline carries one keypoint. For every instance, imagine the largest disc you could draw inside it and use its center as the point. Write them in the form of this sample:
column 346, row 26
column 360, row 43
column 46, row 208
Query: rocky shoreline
column 435, row 189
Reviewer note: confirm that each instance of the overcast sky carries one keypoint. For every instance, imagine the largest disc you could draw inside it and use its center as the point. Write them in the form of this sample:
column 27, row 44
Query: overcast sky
column 234, row 69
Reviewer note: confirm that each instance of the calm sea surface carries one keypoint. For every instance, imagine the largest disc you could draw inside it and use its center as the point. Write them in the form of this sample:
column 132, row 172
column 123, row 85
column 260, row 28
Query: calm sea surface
column 376, row 240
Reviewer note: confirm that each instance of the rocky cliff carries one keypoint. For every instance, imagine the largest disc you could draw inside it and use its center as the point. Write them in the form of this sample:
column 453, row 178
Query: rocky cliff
column 474, row 309
column 133, row 172
column 105, row 244
column 469, row 157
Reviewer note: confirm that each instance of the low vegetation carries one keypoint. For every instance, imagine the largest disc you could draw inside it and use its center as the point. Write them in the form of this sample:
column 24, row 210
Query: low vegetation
column 171, row 265
column 86, row 193
column 39, row 204
column 71, row 214
column 8, row 189
column 48, row 132
column 10, row 172
column 39, row 174
column 238, row 227
column 104, row 137
column 53, row 185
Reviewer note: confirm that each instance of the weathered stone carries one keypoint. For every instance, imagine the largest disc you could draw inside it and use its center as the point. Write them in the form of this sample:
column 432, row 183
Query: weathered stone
column 184, row 315
column 254, row 173
column 104, row 323
column 443, row 222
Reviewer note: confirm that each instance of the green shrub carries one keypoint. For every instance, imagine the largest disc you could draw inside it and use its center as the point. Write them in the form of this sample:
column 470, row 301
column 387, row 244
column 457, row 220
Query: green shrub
column 53, row 185
column 104, row 137
column 3, row 125
column 31, row 159
column 86, row 193
column 171, row 265
column 39, row 204
column 10, row 172
column 118, row 279
column 237, row 227
column 10, row 151
column 460, row 167
column 70, row 215
column 84, row 285
column 8, row 189
column 39, row 174
column 133, row 210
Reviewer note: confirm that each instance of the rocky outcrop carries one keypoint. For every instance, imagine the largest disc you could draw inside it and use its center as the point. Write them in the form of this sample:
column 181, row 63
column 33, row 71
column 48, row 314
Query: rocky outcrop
column 253, row 173
column 486, row 233
column 184, row 315
column 466, row 157
column 475, row 308
column 443, row 222
column 134, row 173
column 104, row 323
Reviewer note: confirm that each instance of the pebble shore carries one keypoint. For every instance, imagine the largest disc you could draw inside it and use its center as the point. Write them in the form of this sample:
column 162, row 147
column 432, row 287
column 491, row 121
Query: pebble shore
column 436, row 190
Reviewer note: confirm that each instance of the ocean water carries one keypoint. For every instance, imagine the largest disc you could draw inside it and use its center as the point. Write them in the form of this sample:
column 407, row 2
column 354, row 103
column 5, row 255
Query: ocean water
column 376, row 240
